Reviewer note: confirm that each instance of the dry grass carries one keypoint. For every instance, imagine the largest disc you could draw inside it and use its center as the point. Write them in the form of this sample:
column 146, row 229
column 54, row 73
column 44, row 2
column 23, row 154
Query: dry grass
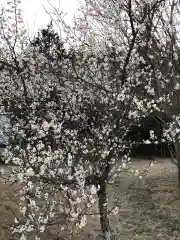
column 8, row 209
column 149, row 209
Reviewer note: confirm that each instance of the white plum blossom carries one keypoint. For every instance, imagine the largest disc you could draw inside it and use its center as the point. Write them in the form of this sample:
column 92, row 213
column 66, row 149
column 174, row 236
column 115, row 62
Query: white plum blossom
column 93, row 190
column 147, row 141
column 136, row 172
column 177, row 86
column 23, row 237
column 115, row 210
column 29, row 172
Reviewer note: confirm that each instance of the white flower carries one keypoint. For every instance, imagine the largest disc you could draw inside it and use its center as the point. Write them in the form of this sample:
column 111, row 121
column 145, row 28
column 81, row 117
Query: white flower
column 46, row 196
column 93, row 189
column 22, row 198
column 177, row 86
column 170, row 64
column 23, row 237
column 147, row 142
column 30, row 228
column 20, row 176
column 42, row 228
column 29, row 172
column 121, row 97
column 115, row 210
column 151, row 91
column 45, row 126
column 152, row 164
column 83, row 222
column 23, row 210
column 16, row 221
column 124, row 165
column 136, row 173
column 33, row 127
column 2, row 171
column 51, row 214
column 32, row 203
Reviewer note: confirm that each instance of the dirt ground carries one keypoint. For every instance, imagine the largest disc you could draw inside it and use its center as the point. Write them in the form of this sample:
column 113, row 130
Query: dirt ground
column 8, row 209
column 149, row 209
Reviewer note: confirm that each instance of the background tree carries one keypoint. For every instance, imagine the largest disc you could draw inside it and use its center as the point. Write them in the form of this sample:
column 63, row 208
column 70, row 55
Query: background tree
column 152, row 29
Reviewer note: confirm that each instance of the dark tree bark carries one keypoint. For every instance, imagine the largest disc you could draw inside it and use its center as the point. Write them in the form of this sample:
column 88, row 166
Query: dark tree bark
column 102, row 201
column 177, row 149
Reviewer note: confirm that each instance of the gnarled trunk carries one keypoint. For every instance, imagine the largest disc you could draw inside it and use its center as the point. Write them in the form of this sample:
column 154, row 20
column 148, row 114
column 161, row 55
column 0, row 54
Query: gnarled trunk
column 102, row 198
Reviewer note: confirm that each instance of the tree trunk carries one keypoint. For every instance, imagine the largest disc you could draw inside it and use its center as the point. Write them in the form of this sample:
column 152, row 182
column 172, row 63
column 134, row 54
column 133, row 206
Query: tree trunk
column 177, row 149
column 102, row 198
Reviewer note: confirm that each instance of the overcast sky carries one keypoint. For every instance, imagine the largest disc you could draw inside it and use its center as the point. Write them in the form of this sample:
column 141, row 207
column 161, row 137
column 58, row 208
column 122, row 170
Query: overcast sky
column 35, row 16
